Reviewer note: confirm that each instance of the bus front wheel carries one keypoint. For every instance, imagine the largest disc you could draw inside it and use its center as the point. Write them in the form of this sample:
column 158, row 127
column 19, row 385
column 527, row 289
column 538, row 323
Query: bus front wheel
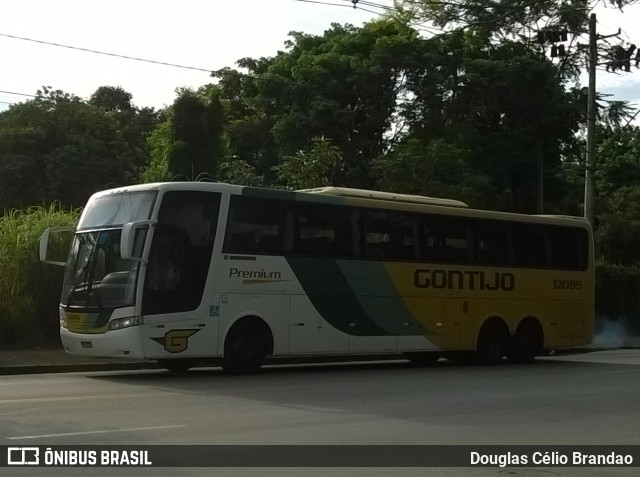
column 245, row 348
column 176, row 365
column 493, row 341
column 422, row 358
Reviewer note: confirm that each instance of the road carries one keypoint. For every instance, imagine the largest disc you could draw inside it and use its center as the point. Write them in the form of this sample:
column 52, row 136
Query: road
column 574, row 400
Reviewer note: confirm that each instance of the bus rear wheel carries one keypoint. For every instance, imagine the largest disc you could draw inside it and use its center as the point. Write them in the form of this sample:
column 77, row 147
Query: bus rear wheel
column 245, row 348
column 493, row 342
column 527, row 343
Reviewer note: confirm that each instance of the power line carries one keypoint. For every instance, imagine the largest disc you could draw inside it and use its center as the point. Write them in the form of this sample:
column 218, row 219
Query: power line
column 324, row 3
column 339, row 5
column 88, row 50
column 356, row 4
column 19, row 94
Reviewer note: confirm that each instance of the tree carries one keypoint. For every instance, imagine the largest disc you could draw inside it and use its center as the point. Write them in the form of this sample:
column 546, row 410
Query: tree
column 508, row 109
column 135, row 125
column 435, row 168
column 510, row 31
column 111, row 98
column 315, row 166
column 69, row 148
column 187, row 143
column 618, row 185
column 342, row 85
column 20, row 181
column 249, row 125
column 237, row 171
column 505, row 18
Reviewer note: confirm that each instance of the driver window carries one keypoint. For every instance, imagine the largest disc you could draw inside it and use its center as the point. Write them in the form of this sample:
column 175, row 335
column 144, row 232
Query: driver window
column 180, row 252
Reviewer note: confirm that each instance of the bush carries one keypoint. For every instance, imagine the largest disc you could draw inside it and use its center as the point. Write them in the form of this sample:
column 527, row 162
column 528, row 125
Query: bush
column 618, row 296
column 27, row 287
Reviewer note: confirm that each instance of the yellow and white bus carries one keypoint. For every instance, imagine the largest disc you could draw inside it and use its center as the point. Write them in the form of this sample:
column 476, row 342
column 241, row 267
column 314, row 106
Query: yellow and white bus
column 187, row 273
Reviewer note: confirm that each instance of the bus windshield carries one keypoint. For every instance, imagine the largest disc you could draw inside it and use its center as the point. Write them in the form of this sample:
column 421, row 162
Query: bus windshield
column 117, row 209
column 96, row 276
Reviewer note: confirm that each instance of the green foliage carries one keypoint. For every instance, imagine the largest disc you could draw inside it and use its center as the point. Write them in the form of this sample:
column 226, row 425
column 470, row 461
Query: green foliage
column 111, row 99
column 160, row 145
column 237, row 171
column 343, row 86
column 63, row 148
column 505, row 18
column 188, row 141
column 618, row 295
column 618, row 187
column 435, row 168
column 470, row 93
column 22, row 277
column 315, row 166
column 20, row 180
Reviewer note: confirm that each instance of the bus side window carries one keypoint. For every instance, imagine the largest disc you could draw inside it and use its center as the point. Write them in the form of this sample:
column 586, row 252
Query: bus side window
column 492, row 243
column 255, row 226
column 529, row 245
column 568, row 248
column 270, row 243
column 243, row 241
column 324, row 230
column 445, row 240
column 167, row 257
column 180, row 252
column 390, row 234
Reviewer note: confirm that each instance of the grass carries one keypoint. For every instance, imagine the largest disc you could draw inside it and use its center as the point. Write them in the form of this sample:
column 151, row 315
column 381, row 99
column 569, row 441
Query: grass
column 23, row 279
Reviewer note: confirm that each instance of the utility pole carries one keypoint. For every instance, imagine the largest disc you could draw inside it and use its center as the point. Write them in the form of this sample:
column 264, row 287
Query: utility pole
column 591, row 123
column 591, row 159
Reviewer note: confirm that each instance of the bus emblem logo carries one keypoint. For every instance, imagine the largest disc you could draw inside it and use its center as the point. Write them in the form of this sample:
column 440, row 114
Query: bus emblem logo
column 176, row 341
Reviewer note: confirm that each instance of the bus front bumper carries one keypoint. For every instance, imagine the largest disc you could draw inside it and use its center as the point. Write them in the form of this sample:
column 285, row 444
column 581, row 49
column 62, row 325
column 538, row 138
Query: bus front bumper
column 123, row 343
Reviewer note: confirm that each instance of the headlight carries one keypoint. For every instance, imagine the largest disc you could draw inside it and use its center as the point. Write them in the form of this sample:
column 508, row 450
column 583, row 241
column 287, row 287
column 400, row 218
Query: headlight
column 121, row 323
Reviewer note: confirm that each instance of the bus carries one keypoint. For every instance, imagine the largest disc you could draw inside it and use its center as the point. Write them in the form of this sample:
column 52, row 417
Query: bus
column 186, row 273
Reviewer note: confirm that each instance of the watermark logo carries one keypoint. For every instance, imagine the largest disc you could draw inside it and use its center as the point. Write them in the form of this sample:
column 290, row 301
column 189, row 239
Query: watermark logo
column 23, row 456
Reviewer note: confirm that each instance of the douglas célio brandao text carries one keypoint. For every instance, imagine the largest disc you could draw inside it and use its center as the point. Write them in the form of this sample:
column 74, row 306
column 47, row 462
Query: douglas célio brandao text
column 575, row 458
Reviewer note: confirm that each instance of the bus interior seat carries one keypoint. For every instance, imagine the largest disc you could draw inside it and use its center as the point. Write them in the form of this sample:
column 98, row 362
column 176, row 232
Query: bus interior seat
column 245, row 241
column 314, row 245
column 270, row 243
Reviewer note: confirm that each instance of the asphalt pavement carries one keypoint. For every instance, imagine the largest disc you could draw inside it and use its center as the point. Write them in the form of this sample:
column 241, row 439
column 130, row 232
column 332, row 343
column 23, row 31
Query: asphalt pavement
column 55, row 360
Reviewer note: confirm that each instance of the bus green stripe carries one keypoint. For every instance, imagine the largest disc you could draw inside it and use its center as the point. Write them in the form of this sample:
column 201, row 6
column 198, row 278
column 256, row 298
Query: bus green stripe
column 333, row 296
column 356, row 297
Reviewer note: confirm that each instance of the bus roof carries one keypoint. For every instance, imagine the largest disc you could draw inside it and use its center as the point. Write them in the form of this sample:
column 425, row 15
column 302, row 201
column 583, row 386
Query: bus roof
column 385, row 196
column 358, row 197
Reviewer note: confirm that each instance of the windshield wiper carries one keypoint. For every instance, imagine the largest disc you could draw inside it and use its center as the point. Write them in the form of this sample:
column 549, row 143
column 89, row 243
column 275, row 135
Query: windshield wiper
column 89, row 281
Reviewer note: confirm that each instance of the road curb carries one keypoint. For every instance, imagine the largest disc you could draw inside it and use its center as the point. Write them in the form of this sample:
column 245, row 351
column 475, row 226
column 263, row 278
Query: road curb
column 17, row 369
column 74, row 368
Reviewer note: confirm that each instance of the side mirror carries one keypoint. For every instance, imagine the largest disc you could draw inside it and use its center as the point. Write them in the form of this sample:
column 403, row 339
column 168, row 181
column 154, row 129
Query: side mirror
column 130, row 232
column 43, row 251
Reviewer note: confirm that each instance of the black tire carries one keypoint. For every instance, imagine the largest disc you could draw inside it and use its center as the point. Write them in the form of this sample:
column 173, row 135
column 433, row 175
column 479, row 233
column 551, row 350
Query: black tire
column 493, row 342
column 245, row 348
column 176, row 365
column 422, row 358
column 527, row 343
